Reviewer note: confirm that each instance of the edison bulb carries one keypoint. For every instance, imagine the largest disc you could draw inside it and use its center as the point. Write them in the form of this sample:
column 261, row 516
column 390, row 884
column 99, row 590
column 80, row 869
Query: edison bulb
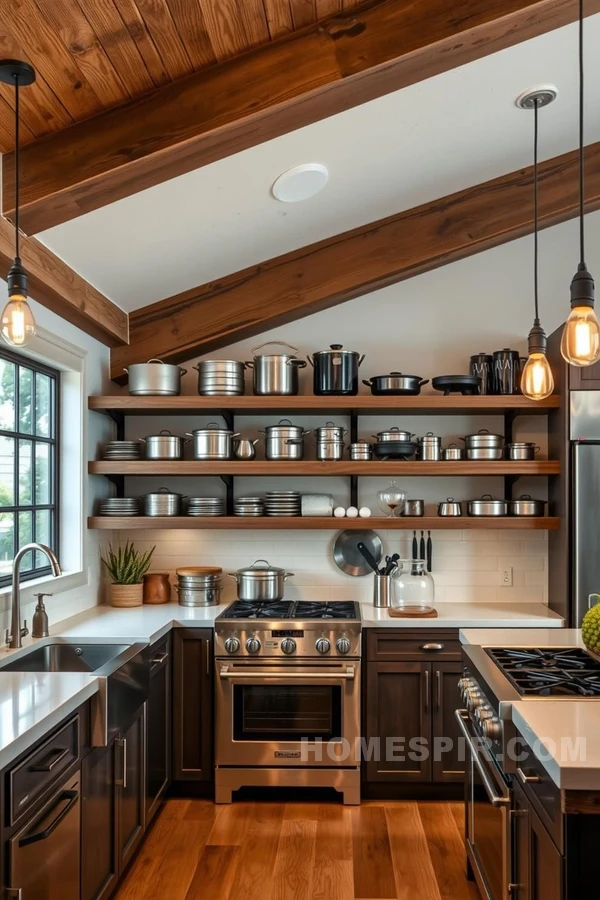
column 537, row 382
column 18, row 324
column 580, row 343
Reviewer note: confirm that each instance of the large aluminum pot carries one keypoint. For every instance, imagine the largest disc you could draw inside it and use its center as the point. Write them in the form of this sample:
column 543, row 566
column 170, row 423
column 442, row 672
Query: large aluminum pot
column 483, row 440
column 220, row 377
column 275, row 374
column 487, row 506
column 260, row 582
column 213, row 442
column 164, row 445
column 336, row 370
column 284, row 441
column 526, row 506
column 163, row 503
column 154, row 379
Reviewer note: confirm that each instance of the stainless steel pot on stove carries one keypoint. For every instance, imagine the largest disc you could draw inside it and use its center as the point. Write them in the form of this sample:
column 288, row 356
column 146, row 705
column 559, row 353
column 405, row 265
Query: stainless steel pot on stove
column 163, row 503
column 155, row 379
column 164, row 445
column 220, row 377
column 260, row 582
column 213, row 442
column 520, row 450
column 275, row 374
column 284, row 441
column 525, row 505
column 487, row 506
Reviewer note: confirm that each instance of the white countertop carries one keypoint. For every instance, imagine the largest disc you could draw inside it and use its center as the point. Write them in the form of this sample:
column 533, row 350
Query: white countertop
column 31, row 705
column 540, row 635
column 563, row 735
column 469, row 615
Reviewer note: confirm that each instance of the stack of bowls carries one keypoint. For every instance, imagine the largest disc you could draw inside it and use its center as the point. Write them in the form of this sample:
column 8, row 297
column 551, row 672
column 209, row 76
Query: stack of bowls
column 122, row 450
column 249, row 506
column 199, row 585
column 206, row 506
column 120, row 506
column 282, row 503
column 220, row 377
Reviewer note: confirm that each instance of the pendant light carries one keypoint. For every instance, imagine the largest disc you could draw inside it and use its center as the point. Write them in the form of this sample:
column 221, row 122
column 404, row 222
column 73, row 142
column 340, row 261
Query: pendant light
column 580, row 344
column 537, row 382
column 17, row 324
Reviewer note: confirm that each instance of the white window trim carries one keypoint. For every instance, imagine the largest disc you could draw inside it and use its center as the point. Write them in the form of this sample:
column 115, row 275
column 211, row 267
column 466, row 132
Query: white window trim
column 71, row 361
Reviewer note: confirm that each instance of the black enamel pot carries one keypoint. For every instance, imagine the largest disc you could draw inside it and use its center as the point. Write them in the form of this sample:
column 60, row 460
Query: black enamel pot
column 395, row 384
column 335, row 371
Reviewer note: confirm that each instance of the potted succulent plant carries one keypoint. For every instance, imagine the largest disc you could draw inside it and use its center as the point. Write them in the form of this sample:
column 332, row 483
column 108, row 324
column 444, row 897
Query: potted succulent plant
column 126, row 569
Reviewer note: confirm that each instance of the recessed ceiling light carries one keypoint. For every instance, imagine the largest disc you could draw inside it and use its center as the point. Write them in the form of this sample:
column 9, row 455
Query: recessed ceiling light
column 300, row 183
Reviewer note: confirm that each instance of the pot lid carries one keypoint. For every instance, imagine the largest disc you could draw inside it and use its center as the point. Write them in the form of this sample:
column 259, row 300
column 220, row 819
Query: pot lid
column 395, row 375
column 337, row 348
column 261, row 571
column 199, row 570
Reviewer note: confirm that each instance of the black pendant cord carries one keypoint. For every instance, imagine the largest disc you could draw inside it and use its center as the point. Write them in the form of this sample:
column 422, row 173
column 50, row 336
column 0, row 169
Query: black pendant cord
column 581, row 140
column 535, row 212
column 17, row 141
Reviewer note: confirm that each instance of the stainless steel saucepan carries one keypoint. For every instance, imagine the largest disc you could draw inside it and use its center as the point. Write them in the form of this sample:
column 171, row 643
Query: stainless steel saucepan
column 164, row 445
column 154, row 379
column 525, row 505
column 261, row 581
column 213, row 442
column 487, row 506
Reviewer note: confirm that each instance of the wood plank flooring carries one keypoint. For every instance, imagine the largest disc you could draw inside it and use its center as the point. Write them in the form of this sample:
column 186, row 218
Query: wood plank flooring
column 302, row 851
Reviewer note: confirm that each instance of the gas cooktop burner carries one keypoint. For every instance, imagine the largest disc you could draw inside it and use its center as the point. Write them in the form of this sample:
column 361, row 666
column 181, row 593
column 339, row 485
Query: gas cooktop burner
column 550, row 672
column 291, row 609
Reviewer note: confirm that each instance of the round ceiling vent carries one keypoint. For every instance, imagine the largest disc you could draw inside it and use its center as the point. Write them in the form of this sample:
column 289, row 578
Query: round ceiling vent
column 300, row 183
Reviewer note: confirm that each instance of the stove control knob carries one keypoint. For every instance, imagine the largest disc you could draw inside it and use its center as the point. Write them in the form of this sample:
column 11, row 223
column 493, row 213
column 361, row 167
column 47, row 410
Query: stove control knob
column 288, row 645
column 474, row 699
column 482, row 714
column 343, row 646
column 232, row 645
column 323, row 645
column 491, row 728
column 253, row 645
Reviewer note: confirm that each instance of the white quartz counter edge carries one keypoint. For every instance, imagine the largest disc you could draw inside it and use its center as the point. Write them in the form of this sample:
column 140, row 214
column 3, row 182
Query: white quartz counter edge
column 31, row 705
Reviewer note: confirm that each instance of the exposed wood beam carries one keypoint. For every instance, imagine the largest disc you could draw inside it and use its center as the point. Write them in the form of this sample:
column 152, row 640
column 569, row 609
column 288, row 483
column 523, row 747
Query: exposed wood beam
column 348, row 265
column 57, row 287
column 307, row 76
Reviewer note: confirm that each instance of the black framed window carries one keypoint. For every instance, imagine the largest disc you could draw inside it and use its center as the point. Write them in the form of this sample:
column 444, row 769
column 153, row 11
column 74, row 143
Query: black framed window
column 29, row 413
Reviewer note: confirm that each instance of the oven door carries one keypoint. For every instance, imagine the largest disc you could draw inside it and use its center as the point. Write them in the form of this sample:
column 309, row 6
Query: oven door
column 488, row 821
column 298, row 714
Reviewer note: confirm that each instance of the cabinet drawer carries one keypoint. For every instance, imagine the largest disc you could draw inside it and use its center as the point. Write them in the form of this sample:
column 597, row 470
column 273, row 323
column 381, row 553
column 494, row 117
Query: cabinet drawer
column 542, row 793
column 33, row 775
column 398, row 644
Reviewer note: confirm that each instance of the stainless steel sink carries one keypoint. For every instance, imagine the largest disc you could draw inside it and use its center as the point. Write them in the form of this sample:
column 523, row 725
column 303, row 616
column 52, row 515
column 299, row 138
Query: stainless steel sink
column 63, row 657
column 123, row 672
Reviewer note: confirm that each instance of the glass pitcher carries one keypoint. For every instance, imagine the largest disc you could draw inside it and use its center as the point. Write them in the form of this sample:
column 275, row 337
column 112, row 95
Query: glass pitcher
column 413, row 587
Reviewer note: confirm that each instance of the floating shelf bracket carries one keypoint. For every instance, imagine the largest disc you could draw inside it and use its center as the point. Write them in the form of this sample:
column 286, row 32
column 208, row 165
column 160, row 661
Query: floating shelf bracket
column 228, row 482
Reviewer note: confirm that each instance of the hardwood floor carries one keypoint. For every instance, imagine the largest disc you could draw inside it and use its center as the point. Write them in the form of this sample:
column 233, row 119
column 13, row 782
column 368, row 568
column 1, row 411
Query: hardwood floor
column 302, row 851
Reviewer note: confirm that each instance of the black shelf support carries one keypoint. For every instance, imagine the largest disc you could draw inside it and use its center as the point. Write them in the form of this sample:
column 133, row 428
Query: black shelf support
column 353, row 439
column 119, row 483
column 228, row 482
column 509, row 421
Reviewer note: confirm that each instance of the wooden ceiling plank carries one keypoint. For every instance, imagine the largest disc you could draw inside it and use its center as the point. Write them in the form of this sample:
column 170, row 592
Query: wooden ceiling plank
column 356, row 263
column 118, row 45
column 269, row 91
column 279, row 18
column 254, row 20
column 52, row 60
column 159, row 22
column 327, row 8
column 189, row 20
column 304, row 13
column 225, row 28
column 146, row 46
column 81, row 41
column 7, row 124
column 55, row 285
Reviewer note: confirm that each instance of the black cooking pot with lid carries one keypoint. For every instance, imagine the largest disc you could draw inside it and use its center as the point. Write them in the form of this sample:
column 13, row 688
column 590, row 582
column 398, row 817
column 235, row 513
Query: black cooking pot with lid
column 395, row 384
column 335, row 370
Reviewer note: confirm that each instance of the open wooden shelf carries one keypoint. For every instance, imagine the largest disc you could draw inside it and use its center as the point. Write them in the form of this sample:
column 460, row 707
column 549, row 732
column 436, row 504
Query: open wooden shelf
column 266, row 523
column 363, row 404
column 314, row 467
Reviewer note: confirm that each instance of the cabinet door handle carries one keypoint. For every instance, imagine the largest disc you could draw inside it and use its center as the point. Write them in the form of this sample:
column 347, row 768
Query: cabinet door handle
column 55, row 757
column 431, row 648
column 159, row 660
column 527, row 779
column 438, row 689
column 208, row 658
column 426, row 675
column 122, row 743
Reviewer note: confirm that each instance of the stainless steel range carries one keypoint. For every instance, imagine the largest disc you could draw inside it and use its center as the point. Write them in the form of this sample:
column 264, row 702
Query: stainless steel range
column 494, row 679
column 287, row 677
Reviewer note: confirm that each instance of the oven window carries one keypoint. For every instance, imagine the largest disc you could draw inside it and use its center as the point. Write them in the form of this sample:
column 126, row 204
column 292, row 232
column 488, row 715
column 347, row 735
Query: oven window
column 264, row 712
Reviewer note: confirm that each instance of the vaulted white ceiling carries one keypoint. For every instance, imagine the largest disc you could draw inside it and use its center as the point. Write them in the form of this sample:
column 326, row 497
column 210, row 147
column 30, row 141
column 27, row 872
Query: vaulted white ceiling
column 418, row 144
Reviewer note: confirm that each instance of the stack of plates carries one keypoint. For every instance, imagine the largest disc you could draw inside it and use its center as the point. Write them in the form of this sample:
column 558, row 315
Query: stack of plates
column 249, row 506
column 206, row 506
column 120, row 506
column 121, row 450
column 282, row 503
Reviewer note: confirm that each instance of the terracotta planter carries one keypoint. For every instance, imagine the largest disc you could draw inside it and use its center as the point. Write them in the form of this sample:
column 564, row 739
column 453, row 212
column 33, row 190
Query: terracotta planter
column 126, row 595
column 157, row 587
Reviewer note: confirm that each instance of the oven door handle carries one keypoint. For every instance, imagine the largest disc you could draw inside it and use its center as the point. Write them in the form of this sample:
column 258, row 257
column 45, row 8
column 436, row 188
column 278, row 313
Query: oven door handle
column 462, row 716
column 348, row 675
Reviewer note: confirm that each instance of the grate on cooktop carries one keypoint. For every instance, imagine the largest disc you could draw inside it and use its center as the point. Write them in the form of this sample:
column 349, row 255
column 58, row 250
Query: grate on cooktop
column 549, row 672
column 291, row 609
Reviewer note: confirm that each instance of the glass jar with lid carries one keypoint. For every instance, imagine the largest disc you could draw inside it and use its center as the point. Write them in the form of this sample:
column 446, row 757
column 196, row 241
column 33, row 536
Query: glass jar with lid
column 413, row 588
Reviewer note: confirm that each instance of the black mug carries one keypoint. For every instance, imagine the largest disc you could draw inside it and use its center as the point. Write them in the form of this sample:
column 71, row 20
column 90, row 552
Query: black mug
column 482, row 367
column 507, row 371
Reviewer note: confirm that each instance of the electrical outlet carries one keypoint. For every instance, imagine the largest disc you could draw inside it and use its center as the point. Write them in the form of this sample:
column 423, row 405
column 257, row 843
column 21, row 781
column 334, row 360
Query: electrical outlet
column 507, row 577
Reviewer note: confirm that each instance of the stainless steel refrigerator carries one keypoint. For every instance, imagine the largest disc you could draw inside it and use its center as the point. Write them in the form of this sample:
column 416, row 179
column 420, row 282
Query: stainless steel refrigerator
column 584, row 434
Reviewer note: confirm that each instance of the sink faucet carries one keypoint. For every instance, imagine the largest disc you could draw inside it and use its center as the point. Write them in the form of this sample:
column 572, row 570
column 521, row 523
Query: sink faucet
column 14, row 639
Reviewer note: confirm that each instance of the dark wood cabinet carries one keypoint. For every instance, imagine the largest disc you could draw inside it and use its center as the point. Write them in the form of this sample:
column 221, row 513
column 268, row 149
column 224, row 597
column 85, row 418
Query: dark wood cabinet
column 586, row 378
column 192, row 704
column 520, row 844
column 158, row 726
column 538, row 865
column 131, row 789
column 410, row 697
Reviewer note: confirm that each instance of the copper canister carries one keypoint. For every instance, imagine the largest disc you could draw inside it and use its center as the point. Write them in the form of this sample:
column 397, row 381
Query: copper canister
column 157, row 588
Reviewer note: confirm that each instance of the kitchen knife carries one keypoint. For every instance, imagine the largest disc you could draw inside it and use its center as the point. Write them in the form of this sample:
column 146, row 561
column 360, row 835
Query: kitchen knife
column 368, row 556
column 429, row 551
column 415, row 548
column 422, row 546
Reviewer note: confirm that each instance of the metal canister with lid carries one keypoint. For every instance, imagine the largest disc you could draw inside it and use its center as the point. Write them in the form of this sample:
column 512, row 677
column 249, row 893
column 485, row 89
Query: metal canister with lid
column 429, row 447
column 335, row 371
column 199, row 585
